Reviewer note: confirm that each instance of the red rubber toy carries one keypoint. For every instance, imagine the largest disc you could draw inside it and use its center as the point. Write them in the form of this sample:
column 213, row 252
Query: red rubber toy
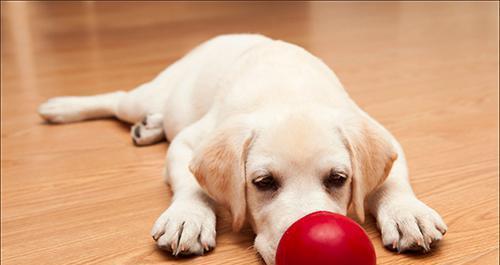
column 323, row 238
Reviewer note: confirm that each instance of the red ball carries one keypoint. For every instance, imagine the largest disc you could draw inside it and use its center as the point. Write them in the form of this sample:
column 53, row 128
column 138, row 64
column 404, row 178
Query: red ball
column 323, row 238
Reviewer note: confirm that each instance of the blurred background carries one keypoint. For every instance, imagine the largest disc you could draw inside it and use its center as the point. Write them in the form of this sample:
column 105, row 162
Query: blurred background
column 83, row 194
column 143, row 37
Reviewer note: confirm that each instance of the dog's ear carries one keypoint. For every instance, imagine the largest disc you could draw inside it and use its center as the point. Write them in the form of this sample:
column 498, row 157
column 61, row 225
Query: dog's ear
column 372, row 154
column 219, row 166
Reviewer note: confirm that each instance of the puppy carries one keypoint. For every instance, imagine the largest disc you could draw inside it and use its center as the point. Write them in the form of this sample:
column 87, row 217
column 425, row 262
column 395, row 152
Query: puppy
column 266, row 129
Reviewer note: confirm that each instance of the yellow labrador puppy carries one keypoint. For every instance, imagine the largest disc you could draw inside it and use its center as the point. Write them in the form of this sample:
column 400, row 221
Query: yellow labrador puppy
column 266, row 129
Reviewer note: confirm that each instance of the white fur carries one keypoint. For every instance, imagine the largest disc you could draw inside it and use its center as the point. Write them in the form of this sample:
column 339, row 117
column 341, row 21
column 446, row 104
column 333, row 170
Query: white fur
column 241, row 106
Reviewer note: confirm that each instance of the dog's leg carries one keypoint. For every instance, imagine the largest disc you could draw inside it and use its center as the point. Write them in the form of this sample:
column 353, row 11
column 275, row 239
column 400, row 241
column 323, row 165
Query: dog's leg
column 405, row 222
column 188, row 225
column 71, row 109
column 131, row 107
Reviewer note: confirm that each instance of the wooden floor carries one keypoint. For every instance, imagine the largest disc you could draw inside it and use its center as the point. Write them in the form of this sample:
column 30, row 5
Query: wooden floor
column 83, row 194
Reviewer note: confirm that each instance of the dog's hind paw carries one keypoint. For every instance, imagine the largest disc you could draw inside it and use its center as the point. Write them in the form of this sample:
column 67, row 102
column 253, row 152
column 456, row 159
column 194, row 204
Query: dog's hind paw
column 148, row 131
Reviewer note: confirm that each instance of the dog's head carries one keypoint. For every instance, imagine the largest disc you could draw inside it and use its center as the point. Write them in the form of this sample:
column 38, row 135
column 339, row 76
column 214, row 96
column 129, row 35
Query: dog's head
column 274, row 169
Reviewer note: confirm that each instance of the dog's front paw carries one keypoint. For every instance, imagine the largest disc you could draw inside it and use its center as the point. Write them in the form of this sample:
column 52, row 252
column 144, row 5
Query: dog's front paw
column 409, row 225
column 185, row 228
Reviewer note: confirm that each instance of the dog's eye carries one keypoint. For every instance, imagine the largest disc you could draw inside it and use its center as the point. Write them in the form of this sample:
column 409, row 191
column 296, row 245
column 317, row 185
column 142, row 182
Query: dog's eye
column 265, row 183
column 335, row 180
